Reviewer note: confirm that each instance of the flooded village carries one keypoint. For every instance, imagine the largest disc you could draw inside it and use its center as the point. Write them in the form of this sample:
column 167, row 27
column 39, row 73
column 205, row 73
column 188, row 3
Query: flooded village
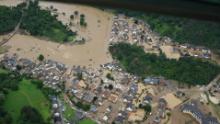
column 113, row 94
column 88, row 76
column 135, row 31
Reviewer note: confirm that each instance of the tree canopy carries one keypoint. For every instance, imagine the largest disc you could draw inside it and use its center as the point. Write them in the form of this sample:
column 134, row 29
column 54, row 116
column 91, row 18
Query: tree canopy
column 30, row 115
column 9, row 18
column 40, row 57
column 42, row 23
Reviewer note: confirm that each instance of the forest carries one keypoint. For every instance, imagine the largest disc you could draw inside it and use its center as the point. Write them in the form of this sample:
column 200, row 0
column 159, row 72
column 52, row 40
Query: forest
column 187, row 70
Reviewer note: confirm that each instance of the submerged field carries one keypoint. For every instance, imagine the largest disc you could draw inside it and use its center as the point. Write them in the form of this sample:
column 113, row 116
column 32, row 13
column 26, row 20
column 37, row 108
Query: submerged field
column 27, row 95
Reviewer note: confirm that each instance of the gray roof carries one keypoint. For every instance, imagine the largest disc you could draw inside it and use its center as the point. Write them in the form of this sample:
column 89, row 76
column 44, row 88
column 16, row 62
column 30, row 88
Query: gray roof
column 93, row 108
column 151, row 80
column 133, row 88
column 148, row 98
column 88, row 96
column 79, row 115
column 192, row 108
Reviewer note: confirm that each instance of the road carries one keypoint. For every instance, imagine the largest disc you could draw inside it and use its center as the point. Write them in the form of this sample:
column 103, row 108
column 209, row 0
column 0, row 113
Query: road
column 214, row 81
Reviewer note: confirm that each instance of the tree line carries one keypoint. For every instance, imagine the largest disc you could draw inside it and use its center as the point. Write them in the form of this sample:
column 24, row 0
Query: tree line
column 185, row 70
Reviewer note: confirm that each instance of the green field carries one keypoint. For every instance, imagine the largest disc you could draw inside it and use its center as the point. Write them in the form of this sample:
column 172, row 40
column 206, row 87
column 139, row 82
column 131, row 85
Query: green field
column 28, row 94
column 3, row 71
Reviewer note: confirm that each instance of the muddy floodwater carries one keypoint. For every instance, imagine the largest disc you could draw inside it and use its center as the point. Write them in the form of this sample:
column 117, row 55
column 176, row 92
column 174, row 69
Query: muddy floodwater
column 93, row 53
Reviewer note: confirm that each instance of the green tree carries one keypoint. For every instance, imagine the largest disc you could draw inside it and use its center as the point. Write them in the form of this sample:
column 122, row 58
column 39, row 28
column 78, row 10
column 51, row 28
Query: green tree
column 71, row 17
column 110, row 77
column 40, row 57
column 9, row 18
column 76, row 13
column 2, row 98
column 30, row 115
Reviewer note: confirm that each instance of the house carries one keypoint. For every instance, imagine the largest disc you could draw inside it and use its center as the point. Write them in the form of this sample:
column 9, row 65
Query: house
column 98, row 101
column 130, row 107
column 57, row 118
column 109, row 109
column 162, row 107
column 88, row 97
column 93, row 108
column 9, row 62
column 151, row 81
column 193, row 110
column 79, row 95
column 180, row 94
column 93, row 87
column 121, row 117
column 79, row 115
column 147, row 100
column 162, row 103
column 113, row 98
column 128, row 98
column 119, row 120
column 105, row 94
column 105, row 118
column 157, row 120
column 82, row 84
column 133, row 89
column 137, row 115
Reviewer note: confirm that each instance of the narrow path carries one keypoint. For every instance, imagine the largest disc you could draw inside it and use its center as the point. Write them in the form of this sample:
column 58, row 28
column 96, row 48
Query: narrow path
column 29, row 100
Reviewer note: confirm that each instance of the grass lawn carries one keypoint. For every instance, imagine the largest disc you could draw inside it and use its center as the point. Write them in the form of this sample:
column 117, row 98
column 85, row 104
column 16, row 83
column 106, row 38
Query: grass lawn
column 3, row 71
column 28, row 94
column 87, row 121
